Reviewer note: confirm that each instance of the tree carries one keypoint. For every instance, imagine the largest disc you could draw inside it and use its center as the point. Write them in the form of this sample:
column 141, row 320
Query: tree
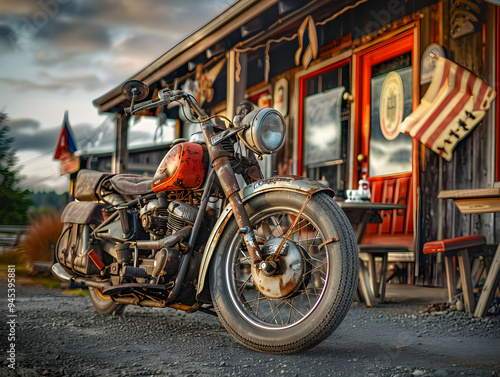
column 14, row 201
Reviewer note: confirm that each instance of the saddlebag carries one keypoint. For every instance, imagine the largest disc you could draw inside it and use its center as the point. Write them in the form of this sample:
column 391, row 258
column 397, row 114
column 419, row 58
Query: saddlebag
column 87, row 186
column 94, row 186
column 72, row 249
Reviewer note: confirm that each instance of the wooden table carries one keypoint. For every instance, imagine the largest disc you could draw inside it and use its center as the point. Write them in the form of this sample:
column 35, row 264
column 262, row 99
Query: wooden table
column 480, row 201
column 360, row 214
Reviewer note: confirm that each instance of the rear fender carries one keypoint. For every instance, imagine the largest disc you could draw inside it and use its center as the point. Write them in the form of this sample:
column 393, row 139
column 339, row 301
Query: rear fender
column 278, row 183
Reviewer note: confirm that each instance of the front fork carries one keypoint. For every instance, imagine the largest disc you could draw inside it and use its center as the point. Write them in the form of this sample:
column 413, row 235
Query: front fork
column 227, row 178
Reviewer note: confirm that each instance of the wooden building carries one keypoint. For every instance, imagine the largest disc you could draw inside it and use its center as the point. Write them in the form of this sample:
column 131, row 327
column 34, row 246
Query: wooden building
column 329, row 67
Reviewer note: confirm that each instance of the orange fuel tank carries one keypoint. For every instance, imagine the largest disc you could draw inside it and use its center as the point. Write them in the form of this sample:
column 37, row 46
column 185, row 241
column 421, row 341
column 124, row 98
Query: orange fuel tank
column 183, row 167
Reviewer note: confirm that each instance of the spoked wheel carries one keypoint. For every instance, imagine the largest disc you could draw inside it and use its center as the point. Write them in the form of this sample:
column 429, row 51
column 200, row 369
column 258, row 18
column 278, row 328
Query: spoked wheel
column 103, row 304
column 314, row 279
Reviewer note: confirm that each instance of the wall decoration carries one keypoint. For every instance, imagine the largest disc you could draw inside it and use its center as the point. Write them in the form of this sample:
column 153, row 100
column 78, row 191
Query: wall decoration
column 391, row 105
column 453, row 105
column 264, row 100
column 280, row 96
column 465, row 18
column 311, row 51
column 427, row 63
column 336, row 46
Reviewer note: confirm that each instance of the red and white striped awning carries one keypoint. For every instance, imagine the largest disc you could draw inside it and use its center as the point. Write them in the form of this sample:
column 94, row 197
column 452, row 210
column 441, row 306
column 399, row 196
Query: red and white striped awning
column 453, row 105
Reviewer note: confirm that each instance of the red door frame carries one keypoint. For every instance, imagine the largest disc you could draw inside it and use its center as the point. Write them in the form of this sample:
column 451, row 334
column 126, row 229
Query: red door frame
column 497, row 178
column 397, row 227
column 388, row 49
column 302, row 90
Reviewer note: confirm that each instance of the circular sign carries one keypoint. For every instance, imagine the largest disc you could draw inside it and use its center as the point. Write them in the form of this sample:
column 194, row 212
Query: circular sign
column 427, row 63
column 391, row 105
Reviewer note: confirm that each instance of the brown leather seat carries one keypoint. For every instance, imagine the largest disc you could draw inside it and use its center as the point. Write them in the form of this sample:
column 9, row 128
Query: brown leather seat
column 132, row 184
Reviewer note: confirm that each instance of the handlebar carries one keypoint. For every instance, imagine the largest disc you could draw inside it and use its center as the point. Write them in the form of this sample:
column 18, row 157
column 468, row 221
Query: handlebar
column 166, row 96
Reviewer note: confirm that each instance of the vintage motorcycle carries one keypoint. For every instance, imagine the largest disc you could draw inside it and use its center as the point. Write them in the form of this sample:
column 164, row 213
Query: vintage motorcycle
column 275, row 260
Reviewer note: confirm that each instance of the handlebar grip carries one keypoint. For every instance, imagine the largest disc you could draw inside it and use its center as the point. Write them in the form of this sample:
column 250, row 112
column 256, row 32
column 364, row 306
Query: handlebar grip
column 141, row 104
column 165, row 98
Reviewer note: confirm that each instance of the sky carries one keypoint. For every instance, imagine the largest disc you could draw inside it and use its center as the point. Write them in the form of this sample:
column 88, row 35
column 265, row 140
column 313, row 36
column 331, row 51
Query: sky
column 58, row 55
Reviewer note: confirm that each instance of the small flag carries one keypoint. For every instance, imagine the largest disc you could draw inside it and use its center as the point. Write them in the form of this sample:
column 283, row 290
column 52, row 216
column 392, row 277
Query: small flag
column 453, row 105
column 66, row 141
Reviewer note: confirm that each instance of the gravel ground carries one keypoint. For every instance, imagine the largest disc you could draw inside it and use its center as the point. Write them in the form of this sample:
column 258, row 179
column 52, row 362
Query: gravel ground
column 61, row 335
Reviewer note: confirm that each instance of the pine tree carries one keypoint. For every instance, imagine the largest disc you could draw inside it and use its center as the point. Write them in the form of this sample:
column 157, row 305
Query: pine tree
column 14, row 201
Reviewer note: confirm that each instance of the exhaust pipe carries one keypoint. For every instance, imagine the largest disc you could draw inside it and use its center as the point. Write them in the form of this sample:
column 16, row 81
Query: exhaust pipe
column 165, row 242
column 63, row 275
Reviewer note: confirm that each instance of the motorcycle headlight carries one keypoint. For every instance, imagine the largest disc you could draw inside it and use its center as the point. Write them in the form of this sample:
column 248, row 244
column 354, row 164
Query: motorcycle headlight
column 266, row 130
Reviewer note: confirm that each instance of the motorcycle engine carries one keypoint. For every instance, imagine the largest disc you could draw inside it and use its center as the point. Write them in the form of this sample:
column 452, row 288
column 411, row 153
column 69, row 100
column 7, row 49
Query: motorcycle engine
column 163, row 221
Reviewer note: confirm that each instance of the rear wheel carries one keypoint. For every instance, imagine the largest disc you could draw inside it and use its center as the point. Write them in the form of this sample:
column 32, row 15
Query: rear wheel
column 315, row 283
column 103, row 304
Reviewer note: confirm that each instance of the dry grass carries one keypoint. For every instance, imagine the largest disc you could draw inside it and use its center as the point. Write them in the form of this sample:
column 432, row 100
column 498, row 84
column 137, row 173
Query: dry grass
column 41, row 236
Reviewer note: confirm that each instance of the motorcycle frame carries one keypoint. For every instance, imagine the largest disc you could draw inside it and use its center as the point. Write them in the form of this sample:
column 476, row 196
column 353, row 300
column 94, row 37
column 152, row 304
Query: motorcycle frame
column 227, row 178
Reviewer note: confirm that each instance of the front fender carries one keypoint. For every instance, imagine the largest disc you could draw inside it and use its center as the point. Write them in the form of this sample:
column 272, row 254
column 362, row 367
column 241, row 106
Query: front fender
column 278, row 183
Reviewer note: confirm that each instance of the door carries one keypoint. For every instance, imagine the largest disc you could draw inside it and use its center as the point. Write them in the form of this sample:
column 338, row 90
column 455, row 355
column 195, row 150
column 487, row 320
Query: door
column 387, row 90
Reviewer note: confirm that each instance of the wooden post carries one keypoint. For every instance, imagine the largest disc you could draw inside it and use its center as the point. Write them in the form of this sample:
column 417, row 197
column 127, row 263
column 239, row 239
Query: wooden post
column 235, row 89
column 120, row 155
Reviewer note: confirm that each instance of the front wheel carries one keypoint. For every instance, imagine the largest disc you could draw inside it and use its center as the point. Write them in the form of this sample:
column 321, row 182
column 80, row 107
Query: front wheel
column 103, row 304
column 313, row 287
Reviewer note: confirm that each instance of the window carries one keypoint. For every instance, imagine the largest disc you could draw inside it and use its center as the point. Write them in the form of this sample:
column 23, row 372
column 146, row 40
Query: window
column 323, row 125
column 390, row 155
column 147, row 131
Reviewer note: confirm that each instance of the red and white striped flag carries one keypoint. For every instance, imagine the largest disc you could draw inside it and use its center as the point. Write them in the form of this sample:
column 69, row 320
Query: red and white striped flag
column 453, row 105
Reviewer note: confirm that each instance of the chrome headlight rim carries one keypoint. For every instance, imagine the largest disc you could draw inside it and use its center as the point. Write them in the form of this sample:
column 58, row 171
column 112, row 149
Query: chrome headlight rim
column 252, row 136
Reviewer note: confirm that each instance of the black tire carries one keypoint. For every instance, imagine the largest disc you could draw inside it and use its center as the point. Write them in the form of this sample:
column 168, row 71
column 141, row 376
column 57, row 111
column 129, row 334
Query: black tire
column 104, row 304
column 327, row 287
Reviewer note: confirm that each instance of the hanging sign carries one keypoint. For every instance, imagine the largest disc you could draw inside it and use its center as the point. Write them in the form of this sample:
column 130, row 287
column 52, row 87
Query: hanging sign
column 69, row 163
column 391, row 105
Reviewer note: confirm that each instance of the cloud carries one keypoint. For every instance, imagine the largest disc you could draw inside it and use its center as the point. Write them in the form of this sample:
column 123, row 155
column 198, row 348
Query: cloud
column 22, row 85
column 161, row 16
column 78, row 36
column 29, row 135
column 135, row 51
column 52, row 83
column 64, row 32
column 89, row 81
column 23, row 123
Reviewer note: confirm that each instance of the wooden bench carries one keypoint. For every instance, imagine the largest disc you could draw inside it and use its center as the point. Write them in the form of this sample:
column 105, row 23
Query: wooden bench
column 461, row 247
column 379, row 251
